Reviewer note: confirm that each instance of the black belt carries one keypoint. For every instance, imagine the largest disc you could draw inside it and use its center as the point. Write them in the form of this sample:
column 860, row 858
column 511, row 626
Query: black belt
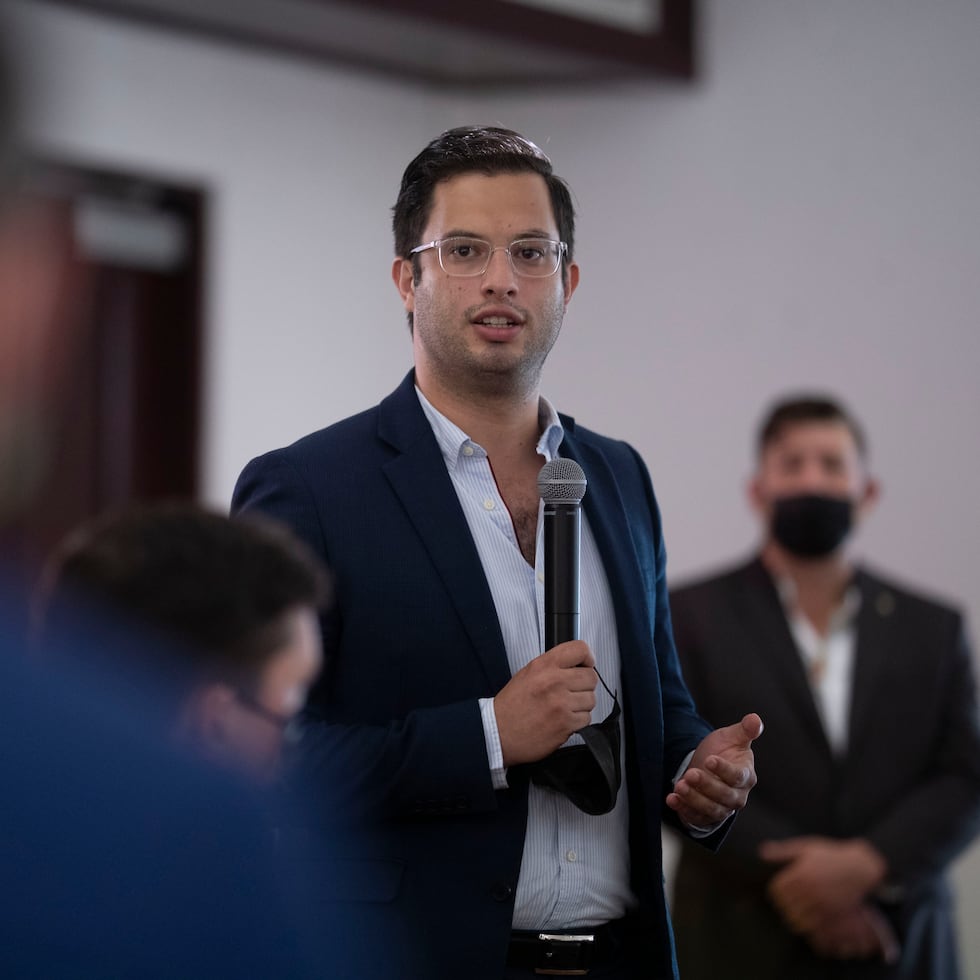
column 567, row 953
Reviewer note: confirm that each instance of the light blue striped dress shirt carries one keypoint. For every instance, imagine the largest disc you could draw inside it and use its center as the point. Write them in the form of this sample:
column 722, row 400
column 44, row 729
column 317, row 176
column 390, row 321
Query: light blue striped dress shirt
column 575, row 869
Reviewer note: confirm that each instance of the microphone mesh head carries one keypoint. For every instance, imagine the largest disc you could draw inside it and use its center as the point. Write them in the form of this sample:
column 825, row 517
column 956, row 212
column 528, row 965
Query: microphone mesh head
column 562, row 481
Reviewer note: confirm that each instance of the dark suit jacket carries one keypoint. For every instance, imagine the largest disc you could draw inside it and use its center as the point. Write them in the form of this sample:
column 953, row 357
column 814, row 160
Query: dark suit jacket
column 413, row 641
column 910, row 781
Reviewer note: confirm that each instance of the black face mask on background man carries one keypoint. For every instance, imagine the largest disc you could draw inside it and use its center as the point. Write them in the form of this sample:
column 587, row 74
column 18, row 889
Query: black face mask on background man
column 811, row 525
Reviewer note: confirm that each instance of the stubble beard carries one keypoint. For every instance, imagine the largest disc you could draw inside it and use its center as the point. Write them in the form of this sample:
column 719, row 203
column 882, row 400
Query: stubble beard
column 494, row 371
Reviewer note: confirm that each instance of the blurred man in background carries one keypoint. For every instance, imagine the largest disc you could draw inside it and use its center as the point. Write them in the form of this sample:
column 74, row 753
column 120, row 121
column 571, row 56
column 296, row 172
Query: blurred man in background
column 871, row 762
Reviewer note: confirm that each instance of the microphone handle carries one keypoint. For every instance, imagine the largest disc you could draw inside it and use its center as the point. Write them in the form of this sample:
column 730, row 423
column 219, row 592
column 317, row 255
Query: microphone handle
column 562, row 556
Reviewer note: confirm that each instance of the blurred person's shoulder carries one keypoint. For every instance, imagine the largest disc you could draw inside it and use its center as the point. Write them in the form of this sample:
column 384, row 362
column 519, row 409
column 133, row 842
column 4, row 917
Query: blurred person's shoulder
column 121, row 856
column 891, row 594
column 721, row 579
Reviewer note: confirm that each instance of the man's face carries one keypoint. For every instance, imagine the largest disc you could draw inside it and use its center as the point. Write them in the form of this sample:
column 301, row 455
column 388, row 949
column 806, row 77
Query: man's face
column 489, row 333
column 812, row 458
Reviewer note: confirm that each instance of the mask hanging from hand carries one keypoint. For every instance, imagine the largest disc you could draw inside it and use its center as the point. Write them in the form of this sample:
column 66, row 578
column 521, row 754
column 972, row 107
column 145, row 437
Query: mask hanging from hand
column 589, row 774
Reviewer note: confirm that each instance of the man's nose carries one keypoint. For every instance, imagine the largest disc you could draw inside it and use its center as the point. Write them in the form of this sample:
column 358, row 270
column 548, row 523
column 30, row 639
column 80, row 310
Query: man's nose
column 813, row 476
column 499, row 275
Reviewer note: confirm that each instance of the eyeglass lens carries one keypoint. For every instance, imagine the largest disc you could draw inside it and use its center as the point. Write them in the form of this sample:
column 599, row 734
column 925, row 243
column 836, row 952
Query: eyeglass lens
column 471, row 256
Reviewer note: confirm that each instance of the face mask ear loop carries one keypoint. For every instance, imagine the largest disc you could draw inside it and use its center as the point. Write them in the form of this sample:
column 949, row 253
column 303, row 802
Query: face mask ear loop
column 604, row 684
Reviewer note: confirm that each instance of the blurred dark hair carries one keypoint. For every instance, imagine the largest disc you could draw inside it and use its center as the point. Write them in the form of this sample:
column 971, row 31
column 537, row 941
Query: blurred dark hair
column 217, row 585
column 801, row 409
column 473, row 149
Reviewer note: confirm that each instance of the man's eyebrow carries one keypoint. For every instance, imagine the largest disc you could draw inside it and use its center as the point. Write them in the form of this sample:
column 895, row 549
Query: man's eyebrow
column 468, row 233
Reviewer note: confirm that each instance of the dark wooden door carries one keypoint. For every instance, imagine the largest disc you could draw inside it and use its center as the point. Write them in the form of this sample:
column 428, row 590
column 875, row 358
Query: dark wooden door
column 130, row 425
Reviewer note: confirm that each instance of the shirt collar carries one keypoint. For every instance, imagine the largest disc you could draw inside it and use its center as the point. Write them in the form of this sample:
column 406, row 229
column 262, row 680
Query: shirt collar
column 844, row 614
column 455, row 444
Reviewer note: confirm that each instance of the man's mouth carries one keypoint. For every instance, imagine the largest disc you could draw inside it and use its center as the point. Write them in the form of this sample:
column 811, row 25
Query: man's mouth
column 497, row 321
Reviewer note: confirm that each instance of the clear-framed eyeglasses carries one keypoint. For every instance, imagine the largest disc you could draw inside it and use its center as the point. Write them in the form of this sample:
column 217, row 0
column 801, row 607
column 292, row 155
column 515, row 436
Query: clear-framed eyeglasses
column 534, row 258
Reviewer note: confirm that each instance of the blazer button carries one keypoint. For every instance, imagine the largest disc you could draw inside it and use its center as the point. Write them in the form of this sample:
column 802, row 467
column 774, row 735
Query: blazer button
column 501, row 892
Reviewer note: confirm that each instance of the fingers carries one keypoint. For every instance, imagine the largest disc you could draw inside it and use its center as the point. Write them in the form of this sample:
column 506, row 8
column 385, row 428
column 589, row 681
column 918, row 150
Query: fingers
column 780, row 851
column 742, row 734
column 848, row 935
column 545, row 702
column 568, row 666
column 702, row 801
column 730, row 773
column 574, row 653
column 720, row 799
column 697, row 811
column 752, row 727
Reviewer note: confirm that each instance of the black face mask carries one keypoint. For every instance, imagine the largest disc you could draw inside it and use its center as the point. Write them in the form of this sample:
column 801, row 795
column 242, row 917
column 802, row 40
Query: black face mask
column 811, row 525
column 590, row 774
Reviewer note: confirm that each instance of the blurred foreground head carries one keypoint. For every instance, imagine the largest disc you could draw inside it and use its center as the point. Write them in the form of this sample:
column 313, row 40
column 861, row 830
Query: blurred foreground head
column 236, row 598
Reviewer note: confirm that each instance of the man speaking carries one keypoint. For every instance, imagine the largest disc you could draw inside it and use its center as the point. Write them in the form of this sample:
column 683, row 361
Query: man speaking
column 439, row 722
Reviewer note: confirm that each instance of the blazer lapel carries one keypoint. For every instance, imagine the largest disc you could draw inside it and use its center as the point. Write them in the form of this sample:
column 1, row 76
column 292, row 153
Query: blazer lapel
column 873, row 647
column 418, row 477
column 606, row 513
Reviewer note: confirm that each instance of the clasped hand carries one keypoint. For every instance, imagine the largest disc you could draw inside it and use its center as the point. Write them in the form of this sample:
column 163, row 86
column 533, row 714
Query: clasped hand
column 821, row 890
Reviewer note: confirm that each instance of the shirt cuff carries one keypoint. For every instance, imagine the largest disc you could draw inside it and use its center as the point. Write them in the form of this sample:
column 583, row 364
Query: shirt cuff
column 491, row 735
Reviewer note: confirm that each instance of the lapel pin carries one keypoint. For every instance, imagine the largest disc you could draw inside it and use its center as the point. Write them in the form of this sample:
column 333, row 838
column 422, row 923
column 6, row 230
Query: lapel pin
column 885, row 603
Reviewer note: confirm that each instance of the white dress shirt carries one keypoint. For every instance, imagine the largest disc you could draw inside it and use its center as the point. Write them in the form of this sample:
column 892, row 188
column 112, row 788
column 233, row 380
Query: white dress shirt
column 575, row 869
column 829, row 660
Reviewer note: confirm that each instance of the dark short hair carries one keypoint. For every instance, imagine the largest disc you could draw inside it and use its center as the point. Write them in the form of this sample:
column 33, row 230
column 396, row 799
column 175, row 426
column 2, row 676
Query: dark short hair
column 217, row 585
column 473, row 149
column 801, row 409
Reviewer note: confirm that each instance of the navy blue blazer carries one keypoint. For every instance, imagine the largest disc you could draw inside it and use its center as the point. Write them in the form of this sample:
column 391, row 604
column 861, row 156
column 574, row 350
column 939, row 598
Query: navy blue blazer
column 394, row 733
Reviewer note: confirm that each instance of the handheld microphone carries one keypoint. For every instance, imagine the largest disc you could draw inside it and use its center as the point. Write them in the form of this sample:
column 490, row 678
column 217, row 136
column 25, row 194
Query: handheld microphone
column 561, row 485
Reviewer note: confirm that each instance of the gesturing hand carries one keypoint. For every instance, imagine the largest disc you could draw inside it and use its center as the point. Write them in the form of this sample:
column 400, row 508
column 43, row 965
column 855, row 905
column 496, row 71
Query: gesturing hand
column 721, row 773
column 545, row 702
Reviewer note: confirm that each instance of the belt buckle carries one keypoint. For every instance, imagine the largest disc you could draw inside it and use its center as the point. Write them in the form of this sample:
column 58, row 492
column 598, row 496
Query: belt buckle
column 565, row 965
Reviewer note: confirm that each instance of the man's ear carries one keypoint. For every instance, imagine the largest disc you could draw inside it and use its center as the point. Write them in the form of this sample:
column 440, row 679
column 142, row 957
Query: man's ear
column 571, row 281
column 403, row 275
column 869, row 498
column 756, row 498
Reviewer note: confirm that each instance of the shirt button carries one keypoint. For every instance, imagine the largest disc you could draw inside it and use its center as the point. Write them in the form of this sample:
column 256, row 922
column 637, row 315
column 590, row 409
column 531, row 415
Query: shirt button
column 540, row 576
column 501, row 892
column 571, row 856
column 467, row 450
column 489, row 504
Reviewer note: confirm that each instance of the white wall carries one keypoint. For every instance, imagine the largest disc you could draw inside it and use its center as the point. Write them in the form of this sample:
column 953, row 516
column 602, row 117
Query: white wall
column 806, row 215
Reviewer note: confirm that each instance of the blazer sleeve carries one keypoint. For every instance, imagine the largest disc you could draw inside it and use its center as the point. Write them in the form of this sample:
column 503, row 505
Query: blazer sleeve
column 431, row 761
column 940, row 813
column 683, row 727
column 692, row 612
